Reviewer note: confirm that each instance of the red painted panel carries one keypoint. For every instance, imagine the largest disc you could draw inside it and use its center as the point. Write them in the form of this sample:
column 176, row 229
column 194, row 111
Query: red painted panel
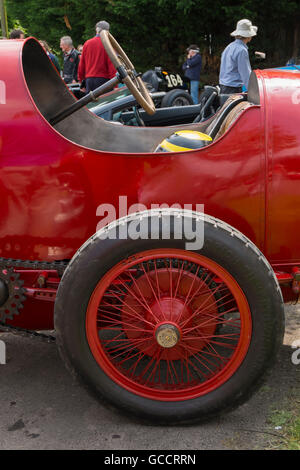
column 282, row 108
column 50, row 187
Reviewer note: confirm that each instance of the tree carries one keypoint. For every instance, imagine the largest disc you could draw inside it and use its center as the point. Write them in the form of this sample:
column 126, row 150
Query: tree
column 157, row 32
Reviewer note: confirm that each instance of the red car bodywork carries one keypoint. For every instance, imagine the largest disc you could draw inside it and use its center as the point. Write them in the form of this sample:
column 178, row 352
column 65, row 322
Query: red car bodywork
column 51, row 186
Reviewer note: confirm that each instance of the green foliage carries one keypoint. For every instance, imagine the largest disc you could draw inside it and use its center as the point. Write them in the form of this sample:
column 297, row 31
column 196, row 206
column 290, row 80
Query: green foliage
column 157, row 32
column 287, row 417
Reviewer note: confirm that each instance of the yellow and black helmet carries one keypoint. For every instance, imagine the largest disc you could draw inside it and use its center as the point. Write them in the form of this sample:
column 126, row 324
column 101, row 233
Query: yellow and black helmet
column 181, row 141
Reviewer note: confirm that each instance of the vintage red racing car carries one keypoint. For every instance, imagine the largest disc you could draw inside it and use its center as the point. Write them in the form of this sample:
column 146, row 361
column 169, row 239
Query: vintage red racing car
column 162, row 329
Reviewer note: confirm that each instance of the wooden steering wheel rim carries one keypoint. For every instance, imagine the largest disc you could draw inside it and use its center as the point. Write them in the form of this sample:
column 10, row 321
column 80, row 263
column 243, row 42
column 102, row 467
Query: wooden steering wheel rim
column 134, row 84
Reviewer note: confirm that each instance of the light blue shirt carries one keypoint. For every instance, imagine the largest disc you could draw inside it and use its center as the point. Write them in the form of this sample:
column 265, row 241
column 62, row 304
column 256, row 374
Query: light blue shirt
column 235, row 65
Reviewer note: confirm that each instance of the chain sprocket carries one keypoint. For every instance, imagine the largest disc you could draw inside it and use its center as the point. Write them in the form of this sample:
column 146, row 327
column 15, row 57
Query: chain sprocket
column 16, row 294
column 15, row 287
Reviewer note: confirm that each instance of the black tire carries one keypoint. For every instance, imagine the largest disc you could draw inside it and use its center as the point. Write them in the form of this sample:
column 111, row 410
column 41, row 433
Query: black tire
column 223, row 245
column 176, row 97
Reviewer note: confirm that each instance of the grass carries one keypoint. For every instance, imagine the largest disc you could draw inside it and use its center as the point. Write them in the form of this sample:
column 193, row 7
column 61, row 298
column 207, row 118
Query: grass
column 287, row 418
column 294, row 435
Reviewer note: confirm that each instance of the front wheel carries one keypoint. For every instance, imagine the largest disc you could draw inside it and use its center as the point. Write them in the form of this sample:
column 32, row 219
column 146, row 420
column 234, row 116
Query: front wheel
column 167, row 334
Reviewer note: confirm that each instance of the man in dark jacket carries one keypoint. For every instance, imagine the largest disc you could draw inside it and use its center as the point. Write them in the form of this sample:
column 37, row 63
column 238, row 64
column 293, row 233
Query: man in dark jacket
column 192, row 68
column 71, row 60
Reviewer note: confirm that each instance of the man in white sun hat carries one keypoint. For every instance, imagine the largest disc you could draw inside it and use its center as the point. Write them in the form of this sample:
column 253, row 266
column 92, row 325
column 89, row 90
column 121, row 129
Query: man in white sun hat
column 235, row 64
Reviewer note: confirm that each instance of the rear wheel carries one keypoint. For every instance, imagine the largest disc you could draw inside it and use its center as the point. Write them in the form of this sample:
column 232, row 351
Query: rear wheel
column 167, row 334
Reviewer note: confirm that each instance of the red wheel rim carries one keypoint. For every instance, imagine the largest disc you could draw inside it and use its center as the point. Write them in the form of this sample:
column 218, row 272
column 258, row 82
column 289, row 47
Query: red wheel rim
column 168, row 325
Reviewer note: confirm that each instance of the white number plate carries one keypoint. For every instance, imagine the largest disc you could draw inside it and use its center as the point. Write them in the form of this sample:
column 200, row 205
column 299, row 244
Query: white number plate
column 174, row 80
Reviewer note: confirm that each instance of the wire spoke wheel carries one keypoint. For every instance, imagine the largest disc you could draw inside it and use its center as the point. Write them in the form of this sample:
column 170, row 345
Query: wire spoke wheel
column 168, row 325
column 163, row 333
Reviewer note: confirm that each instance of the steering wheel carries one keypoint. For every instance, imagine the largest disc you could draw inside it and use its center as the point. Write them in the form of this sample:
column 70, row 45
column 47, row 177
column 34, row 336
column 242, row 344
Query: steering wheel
column 127, row 72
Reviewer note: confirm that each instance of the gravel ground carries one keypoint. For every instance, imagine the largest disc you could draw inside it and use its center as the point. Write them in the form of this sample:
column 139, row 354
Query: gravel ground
column 42, row 408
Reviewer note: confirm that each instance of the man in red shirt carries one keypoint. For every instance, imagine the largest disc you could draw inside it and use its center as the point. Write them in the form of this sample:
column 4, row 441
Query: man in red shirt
column 95, row 67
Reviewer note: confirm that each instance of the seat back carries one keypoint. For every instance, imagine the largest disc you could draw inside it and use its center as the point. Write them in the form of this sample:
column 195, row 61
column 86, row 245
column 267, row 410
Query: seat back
column 232, row 117
column 214, row 126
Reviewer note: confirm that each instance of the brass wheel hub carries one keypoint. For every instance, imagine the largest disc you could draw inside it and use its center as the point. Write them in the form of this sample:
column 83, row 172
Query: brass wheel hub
column 167, row 335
